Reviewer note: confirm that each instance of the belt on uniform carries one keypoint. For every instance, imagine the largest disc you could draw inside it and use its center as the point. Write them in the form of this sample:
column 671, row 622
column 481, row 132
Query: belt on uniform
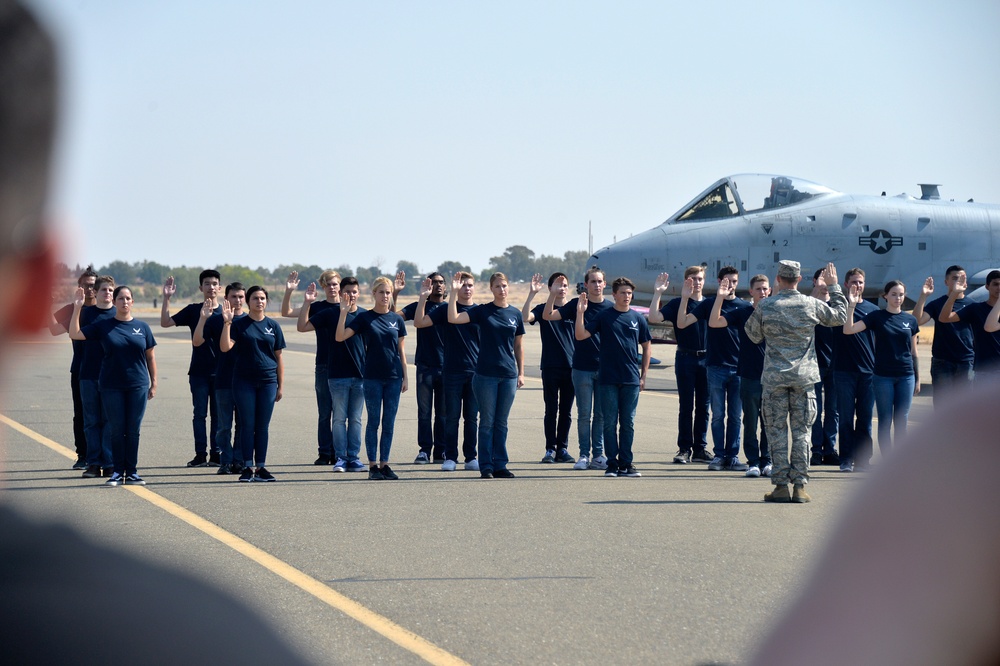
column 692, row 352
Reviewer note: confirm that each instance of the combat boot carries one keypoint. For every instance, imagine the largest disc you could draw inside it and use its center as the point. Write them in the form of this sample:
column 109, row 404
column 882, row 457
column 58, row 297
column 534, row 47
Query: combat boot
column 779, row 494
column 799, row 494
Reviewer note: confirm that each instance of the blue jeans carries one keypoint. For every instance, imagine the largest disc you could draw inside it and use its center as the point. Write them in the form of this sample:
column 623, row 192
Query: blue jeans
column 495, row 396
column 226, row 405
column 824, row 430
column 724, row 391
column 459, row 400
column 949, row 378
column 203, row 400
column 324, row 403
column 618, row 402
column 893, row 397
column 123, row 412
column 254, row 406
column 94, row 425
column 348, row 402
column 855, row 400
column 756, row 450
column 558, row 394
column 590, row 431
column 382, row 402
column 692, row 391
column 430, row 398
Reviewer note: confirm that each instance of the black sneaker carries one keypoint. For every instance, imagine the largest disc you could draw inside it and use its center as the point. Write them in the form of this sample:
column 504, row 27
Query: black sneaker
column 323, row 460
column 629, row 471
column 236, row 468
column 486, row 475
column 81, row 463
column 247, row 475
column 816, row 459
column 114, row 480
column 701, row 456
column 134, row 479
column 214, row 459
column 388, row 474
column 375, row 474
column 92, row 472
column 199, row 460
column 831, row 459
column 224, row 469
column 503, row 474
column 564, row 456
column 107, row 472
column 263, row 475
column 611, row 472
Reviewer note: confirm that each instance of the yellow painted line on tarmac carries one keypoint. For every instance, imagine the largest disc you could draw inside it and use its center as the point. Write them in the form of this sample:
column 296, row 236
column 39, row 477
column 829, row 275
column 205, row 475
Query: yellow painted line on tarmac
column 399, row 635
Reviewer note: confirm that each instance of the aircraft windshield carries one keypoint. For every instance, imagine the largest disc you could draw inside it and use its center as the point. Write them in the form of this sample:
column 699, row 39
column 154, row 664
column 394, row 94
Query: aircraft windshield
column 720, row 202
column 764, row 192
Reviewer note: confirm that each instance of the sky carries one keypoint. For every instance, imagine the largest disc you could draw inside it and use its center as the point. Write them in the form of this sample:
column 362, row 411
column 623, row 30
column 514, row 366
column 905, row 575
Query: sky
column 266, row 133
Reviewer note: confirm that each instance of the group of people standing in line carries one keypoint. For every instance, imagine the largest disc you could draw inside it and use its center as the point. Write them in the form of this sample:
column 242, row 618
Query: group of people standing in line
column 469, row 365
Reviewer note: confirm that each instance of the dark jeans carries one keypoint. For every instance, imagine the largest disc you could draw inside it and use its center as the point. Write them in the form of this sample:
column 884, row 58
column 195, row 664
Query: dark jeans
column 893, row 397
column 558, row 393
column 224, row 433
column 203, row 400
column 724, row 391
column 79, row 429
column 324, row 403
column 254, row 406
column 855, row 401
column 123, row 411
column 459, row 400
column 618, row 402
column 692, row 391
column 430, row 400
column 824, row 430
column 755, row 449
column 94, row 425
column 381, row 403
column 495, row 396
column 949, row 379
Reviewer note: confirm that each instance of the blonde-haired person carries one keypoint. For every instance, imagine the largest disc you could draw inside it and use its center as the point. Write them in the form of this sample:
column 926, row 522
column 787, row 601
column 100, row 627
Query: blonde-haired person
column 384, row 333
column 499, row 370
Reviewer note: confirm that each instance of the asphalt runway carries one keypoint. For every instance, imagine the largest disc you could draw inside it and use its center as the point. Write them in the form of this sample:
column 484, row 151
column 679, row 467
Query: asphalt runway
column 681, row 566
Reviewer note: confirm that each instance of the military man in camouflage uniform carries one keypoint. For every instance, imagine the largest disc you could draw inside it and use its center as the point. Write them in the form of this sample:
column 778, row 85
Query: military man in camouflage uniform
column 787, row 321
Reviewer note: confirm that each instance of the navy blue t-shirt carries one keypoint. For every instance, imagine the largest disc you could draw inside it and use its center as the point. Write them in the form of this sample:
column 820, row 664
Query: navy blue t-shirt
column 557, row 340
column 751, row 357
column 621, row 334
column 225, row 363
column 497, row 329
column 893, row 334
column 125, row 344
column 693, row 338
column 987, row 344
column 346, row 359
column 586, row 353
column 202, row 358
column 855, row 353
column 92, row 355
column 430, row 346
column 723, row 343
column 824, row 346
column 62, row 316
column 256, row 346
column 461, row 341
column 322, row 339
column 952, row 342
column 381, row 333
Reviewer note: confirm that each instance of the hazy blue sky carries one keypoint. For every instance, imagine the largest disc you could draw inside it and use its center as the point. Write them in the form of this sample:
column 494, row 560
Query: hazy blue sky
column 264, row 133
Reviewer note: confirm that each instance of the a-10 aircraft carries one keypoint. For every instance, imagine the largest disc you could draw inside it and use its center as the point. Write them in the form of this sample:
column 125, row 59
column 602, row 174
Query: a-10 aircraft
column 751, row 221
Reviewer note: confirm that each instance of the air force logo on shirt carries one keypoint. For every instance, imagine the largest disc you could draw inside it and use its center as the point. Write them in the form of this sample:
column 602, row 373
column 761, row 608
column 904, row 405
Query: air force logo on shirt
column 513, row 322
column 634, row 325
column 393, row 324
column 906, row 325
column 269, row 331
column 137, row 331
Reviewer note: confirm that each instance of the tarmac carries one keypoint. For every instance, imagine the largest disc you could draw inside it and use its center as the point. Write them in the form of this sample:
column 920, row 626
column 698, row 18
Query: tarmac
column 556, row 566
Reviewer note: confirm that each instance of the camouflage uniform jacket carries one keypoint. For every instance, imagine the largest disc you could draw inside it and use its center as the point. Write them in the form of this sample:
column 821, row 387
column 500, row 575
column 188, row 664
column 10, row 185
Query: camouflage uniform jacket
column 787, row 321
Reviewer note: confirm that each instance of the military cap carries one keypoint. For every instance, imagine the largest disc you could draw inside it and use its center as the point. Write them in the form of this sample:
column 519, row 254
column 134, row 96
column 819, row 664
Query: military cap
column 789, row 270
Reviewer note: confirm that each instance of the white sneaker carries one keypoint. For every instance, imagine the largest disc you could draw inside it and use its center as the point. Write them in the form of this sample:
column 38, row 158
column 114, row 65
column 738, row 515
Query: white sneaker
column 340, row 465
column 448, row 466
column 753, row 471
column 766, row 471
column 472, row 465
column 600, row 462
column 582, row 463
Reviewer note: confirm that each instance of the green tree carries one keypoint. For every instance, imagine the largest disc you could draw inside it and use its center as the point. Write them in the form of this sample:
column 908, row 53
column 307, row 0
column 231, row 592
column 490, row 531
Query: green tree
column 151, row 272
column 122, row 272
column 449, row 268
column 188, row 288
column 232, row 273
column 412, row 274
column 517, row 262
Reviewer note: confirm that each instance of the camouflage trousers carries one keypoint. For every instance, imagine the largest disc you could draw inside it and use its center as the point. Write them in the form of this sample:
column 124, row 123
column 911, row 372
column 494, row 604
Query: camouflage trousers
column 783, row 408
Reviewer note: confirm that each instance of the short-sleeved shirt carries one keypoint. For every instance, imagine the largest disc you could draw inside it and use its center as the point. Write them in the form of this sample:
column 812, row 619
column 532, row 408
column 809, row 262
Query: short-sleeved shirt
column 346, row 359
column 202, row 358
column 751, row 357
column 430, row 346
column 497, row 329
column 381, row 333
column 694, row 338
column 225, row 363
column 586, row 353
column 92, row 355
column 125, row 344
column 62, row 316
column 954, row 342
column 557, row 340
column 855, row 353
column 987, row 344
column 461, row 341
column 257, row 344
column 621, row 334
column 893, row 335
column 323, row 341
column 723, row 343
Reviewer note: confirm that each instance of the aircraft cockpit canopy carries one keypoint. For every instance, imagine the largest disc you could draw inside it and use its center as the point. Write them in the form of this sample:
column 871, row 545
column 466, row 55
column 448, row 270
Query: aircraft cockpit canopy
column 749, row 193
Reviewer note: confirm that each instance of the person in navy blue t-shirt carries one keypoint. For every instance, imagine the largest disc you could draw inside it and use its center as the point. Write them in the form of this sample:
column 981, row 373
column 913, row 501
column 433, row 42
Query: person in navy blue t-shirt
column 985, row 335
column 557, row 367
column 897, row 378
column 257, row 341
column 384, row 333
column 824, row 430
column 128, row 379
column 953, row 349
column 499, row 370
column 99, row 456
column 201, row 372
column 853, row 365
column 622, row 375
